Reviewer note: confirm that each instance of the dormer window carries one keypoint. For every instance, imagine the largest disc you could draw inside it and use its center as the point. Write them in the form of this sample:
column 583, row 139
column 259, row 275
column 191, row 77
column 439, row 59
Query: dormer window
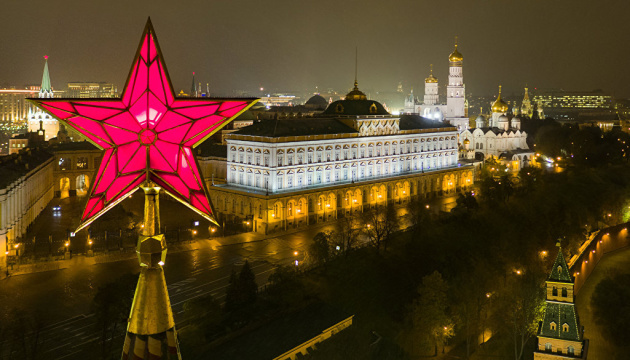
column 339, row 108
column 559, row 270
column 552, row 326
column 373, row 109
column 565, row 327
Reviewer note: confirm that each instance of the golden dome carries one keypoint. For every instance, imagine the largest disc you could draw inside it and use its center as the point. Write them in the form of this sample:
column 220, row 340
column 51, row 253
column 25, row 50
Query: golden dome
column 466, row 142
column 499, row 105
column 431, row 78
column 356, row 94
column 455, row 56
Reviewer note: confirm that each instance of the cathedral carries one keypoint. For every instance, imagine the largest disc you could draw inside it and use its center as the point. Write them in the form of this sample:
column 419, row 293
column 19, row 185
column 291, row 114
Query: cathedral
column 560, row 335
column 454, row 111
column 499, row 137
column 38, row 120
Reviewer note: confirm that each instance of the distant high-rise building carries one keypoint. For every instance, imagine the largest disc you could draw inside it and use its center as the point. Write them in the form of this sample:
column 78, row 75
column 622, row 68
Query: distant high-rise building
column 560, row 335
column 39, row 120
column 91, row 90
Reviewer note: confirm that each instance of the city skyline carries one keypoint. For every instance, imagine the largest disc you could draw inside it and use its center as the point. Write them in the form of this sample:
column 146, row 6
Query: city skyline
column 283, row 46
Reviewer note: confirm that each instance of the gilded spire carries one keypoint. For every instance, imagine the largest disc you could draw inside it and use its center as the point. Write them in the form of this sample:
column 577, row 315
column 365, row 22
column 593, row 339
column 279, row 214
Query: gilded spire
column 356, row 94
column 46, row 77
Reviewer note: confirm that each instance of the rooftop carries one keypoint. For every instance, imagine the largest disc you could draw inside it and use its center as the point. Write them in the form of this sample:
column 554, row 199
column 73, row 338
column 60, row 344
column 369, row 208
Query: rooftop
column 14, row 166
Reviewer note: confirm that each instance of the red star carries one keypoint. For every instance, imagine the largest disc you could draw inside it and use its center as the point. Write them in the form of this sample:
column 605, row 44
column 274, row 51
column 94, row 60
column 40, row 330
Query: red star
column 148, row 134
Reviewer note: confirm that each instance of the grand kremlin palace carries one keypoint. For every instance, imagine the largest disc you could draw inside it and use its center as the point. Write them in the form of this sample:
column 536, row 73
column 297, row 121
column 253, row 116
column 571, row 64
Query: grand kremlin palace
column 293, row 172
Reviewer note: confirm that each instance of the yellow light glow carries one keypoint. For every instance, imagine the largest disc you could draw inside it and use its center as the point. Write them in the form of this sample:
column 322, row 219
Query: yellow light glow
column 295, row 253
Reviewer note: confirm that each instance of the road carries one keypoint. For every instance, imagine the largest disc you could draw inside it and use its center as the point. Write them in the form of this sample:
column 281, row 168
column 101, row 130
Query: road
column 62, row 298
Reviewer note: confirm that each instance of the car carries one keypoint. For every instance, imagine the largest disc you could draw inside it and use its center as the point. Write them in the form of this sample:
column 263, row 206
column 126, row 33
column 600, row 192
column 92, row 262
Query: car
column 56, row 208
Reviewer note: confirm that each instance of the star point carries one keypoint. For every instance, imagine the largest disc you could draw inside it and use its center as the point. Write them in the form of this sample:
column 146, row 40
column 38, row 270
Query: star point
column 147, row 135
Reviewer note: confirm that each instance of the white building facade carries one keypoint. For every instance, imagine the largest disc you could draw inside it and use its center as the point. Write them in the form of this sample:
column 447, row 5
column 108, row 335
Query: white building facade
column 377, row 149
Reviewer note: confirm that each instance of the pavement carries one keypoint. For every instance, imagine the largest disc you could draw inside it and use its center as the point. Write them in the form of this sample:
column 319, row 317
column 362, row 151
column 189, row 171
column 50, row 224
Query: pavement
column 60, row 292
column 599, row 347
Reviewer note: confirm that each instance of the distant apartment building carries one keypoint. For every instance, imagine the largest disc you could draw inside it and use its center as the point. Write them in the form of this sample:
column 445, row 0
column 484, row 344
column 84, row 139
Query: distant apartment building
column 91, row 90
column 13, row 105
column 570, row 105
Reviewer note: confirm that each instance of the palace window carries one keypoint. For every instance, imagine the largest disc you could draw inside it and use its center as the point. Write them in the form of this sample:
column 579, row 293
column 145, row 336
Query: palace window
column 266, row 160
column 299, row 179
column 310, row 158
column 327, row 176
column 548, row 347
column 571, row 350
column 249, row 159
column 279, row 160
column 565, row 327
column 300, row 159
column 257, row 160
column 552, row 326
column 554, row 291
column 289, row 181
column 309, row 179
column 289, row 160
column 241, row 158
column 345, row 154
column 564, row 292
column 82, row 163
column 280, row 181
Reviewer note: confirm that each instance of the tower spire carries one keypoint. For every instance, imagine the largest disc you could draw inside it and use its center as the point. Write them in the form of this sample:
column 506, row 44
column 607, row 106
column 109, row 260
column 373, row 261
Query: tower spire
column 356, row 66
column 46, row 89
column 193, row 88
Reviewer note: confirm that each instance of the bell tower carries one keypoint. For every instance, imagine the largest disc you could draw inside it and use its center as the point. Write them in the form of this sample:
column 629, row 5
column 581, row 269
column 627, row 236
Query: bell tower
column 560, row 335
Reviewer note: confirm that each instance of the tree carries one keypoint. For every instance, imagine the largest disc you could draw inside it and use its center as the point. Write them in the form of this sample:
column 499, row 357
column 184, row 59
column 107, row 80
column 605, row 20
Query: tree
column 348, row 233
column 247, row 284
column 520, row 307
column 242, row 290
column 430, row 310
column 319, row 250
column 380, row 223
column 611, row 308
column 112, row 306
column 417, row 212
column 466, row 201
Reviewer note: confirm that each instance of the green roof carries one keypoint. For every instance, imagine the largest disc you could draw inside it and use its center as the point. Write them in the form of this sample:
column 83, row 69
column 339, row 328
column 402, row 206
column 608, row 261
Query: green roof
column 560, row 270
column 560, row 314
column 355, row 107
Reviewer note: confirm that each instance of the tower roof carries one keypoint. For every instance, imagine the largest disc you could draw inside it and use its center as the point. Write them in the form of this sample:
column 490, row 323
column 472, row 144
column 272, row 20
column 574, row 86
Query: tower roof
column 560, row 269
column 455, row 56
column 46, row 77
column 431, row 78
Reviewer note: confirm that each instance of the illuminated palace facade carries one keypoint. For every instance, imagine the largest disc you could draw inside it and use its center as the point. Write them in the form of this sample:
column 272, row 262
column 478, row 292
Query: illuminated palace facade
column 288, row 173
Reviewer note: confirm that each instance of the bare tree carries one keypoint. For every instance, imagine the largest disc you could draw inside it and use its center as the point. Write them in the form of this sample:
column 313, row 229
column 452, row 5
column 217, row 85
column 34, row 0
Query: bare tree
column 379, row 225
column 348, row 233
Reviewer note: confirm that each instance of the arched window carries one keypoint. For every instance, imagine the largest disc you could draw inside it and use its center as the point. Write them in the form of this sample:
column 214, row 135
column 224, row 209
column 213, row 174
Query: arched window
column 554, row 291
column 552, row 326
column 564, row 292
column 565, row 327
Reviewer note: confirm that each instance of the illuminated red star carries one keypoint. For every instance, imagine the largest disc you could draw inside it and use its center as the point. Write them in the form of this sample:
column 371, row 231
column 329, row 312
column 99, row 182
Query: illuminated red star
column 148, row 134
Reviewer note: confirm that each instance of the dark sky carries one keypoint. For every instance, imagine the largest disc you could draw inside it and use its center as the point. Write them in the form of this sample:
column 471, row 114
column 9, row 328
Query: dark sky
column 299, row 44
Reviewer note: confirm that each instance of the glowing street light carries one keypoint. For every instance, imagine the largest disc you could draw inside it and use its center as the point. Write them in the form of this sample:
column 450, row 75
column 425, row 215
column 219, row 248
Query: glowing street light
column 295, row 253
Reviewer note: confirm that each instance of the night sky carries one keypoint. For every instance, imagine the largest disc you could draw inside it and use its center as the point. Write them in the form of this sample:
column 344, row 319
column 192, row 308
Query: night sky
column 295, row 45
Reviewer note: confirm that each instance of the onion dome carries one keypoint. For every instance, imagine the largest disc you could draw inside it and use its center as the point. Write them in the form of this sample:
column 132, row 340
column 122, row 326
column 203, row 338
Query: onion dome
column 499, row 105
column 466, row 142
column 480, row 122
column 455, row 56
column 356, row 94
column 431, row 78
